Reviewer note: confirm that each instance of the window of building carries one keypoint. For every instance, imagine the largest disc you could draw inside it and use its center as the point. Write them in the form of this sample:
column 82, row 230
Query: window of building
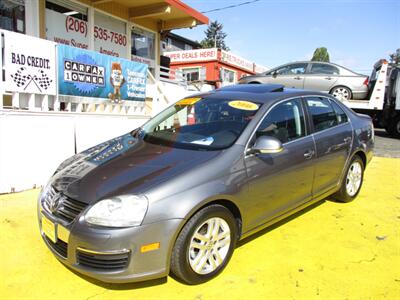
column 188, row 47
column 68, row 8
column 191, row 74
column 323, row 115
column 228, row 76
column 323, row 69
column 143, row 43
column 12, row 15
column 284, row 122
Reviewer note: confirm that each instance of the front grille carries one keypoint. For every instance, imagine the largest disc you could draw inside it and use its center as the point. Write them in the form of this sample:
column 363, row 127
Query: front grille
column 60, row 247
column 105, row 262
column 66, row 208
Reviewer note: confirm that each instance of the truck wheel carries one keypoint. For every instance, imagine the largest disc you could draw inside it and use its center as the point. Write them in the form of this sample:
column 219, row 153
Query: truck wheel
column 352, row 181
column 341, row 93
column 205, row 245
column 394, row 127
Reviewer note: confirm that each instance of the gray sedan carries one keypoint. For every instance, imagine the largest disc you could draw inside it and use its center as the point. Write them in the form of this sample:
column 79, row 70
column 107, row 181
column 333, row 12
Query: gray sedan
column 178, row 193
column 330, row 78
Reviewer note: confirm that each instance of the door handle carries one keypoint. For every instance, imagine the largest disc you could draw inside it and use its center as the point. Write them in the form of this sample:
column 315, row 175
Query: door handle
column 328, row 78
column 297, row 78
column 309, row 154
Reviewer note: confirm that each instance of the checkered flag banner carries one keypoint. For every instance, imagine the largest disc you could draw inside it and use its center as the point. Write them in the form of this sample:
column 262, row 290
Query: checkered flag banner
column 19, row 78
column 44, row 81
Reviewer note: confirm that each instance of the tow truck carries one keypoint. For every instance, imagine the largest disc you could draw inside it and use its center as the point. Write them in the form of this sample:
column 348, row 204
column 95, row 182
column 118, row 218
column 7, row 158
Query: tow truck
column 383, row 104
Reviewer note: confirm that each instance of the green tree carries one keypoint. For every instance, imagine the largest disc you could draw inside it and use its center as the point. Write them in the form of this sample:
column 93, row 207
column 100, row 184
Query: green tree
column 215, row 37
column 321, row 54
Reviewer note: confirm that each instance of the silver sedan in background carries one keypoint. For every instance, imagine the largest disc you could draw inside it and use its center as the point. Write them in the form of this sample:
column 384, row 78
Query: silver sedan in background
column 320, row 76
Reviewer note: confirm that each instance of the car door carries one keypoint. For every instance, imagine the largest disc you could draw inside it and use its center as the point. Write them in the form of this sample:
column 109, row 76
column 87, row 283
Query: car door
column 281, row 181
column 321, row 77
column 291, row 76
column 333, row 138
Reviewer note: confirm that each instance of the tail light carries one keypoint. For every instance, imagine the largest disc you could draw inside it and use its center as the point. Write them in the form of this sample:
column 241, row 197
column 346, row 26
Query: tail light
column 366, row 81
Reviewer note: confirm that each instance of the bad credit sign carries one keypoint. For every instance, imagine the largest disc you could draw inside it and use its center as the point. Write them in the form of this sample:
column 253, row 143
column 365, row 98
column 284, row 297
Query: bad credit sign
column 29, row 63
column 192, row 55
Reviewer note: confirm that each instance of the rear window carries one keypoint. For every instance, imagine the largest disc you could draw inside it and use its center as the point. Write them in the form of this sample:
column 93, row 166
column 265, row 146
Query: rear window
column 324, row 69
column 322, row 113
column 340, row 114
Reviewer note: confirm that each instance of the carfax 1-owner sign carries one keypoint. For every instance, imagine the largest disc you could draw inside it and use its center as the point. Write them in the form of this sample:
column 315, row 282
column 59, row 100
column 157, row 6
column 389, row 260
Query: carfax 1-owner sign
column 29, row 69
column 90, row 74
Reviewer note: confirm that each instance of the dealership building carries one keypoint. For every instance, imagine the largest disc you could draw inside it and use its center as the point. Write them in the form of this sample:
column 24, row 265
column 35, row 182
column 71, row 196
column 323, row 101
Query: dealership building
column 213, row 67
column 121, row 28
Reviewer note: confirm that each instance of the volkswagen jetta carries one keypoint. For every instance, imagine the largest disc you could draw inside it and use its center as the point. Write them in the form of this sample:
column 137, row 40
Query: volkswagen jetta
column 178, row 193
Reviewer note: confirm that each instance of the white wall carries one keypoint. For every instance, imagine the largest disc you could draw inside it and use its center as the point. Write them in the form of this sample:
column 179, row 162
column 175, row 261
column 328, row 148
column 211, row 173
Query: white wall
column 33, row 144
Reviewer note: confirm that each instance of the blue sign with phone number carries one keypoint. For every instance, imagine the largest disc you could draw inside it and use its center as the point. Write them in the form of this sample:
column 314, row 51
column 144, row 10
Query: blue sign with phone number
column 91, row 74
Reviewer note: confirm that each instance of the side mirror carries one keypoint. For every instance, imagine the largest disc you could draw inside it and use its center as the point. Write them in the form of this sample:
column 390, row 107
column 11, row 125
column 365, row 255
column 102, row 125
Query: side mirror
column 266, row 144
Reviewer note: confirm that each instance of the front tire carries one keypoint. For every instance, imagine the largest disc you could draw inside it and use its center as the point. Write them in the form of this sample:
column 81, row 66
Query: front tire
column 341, row 93
column 205, row 245
column 352, row 181
column 394, row 127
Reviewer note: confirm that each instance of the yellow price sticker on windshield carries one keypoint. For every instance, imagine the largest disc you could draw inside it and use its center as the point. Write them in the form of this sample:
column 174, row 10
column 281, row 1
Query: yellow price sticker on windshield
column 188, row 101
column 244, row 105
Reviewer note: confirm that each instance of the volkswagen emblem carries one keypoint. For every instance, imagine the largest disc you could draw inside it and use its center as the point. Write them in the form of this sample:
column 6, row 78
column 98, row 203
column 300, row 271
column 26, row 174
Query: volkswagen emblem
column 55, row 202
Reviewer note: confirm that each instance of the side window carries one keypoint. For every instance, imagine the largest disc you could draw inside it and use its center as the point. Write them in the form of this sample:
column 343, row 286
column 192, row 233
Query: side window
column 292, row 69
column 322, row 113
column 341, row 115
column 285, row 122
column 324, row 69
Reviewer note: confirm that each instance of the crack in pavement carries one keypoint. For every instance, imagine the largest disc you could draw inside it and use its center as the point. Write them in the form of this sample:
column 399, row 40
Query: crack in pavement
column 95, row 295
column 364, row 260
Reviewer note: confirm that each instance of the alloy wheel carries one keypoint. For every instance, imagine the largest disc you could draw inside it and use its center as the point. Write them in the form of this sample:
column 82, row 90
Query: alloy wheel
column 341, row 93
column 209, row 245
column 353, row 179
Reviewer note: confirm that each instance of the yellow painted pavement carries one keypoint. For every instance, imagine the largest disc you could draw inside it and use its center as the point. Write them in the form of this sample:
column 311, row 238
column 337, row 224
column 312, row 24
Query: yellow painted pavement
column 333, row 251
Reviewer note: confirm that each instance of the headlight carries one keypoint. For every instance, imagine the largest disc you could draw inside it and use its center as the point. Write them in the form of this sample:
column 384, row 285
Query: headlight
column 121, row 211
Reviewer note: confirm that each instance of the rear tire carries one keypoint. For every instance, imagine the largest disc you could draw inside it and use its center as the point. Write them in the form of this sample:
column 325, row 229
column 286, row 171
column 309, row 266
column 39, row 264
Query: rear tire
column 394, row 127
column 352, row 181
column 341, row 93
column 205, row 245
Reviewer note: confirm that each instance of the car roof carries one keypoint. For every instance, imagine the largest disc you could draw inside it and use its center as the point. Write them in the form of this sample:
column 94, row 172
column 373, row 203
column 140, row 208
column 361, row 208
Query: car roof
column 262, row 93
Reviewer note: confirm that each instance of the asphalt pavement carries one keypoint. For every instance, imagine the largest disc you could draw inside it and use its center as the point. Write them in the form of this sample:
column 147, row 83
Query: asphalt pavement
column 386, row 146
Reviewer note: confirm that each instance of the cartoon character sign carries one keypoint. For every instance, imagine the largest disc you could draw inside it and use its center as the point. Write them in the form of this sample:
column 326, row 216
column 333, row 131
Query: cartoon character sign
column 117, row 80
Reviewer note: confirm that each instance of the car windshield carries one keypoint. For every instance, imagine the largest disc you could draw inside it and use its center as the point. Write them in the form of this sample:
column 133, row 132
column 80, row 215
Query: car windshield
column 200, row 123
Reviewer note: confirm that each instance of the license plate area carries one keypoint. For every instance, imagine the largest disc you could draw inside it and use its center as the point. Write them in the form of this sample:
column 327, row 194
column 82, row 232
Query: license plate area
column 49, row 229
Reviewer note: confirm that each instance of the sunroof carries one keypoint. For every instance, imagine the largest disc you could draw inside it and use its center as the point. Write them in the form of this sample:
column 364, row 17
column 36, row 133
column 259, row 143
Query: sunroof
column 254, row 88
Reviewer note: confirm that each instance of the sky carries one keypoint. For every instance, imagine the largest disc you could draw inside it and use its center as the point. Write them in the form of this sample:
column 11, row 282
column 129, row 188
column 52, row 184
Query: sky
column 356, row 33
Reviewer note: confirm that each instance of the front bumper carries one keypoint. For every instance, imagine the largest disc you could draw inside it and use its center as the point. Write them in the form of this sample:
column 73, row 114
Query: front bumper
column 111, row 254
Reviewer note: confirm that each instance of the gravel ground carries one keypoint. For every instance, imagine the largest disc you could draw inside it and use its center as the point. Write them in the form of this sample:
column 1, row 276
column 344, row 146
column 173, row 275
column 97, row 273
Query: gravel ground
column 386, row 146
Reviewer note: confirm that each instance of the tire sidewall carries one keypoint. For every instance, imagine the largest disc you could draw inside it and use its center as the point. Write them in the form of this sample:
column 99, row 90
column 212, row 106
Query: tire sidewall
column 346, row 196
column 200, row 217
column 344, row 87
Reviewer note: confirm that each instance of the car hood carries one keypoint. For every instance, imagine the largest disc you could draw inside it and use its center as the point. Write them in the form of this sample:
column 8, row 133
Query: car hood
column 123, row 165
